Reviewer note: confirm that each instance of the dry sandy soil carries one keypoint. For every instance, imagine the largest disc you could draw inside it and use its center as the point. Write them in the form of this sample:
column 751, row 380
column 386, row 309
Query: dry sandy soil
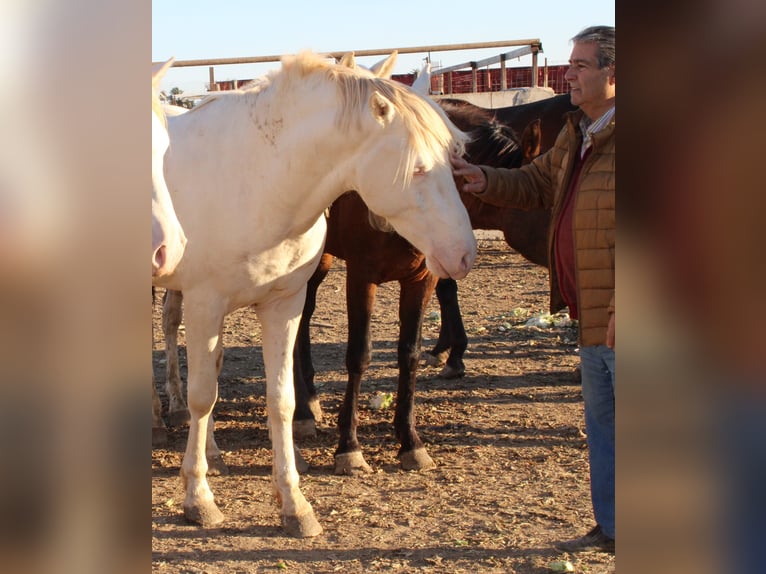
column 508, row 440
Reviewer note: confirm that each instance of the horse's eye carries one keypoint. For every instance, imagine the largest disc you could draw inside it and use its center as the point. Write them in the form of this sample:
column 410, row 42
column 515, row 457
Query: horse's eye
column 419, row 170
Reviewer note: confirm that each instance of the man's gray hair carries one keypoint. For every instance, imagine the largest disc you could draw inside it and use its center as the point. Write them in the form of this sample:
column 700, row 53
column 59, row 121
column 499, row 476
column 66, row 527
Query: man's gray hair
column 603, row 37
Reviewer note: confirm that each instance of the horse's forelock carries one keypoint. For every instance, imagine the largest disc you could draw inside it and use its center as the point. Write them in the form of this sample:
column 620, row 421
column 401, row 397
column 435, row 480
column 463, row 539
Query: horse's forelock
column 431, row 131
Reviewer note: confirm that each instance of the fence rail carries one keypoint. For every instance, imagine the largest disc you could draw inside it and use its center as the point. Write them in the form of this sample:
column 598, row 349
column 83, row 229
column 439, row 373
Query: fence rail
column 533, row 45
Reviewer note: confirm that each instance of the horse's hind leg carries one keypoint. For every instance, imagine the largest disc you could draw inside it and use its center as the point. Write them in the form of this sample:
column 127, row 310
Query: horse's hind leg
column 308, row 411
column 159, row 430
column 452, row 343
column 360, row 297
column 412, row 303
column 172, row 313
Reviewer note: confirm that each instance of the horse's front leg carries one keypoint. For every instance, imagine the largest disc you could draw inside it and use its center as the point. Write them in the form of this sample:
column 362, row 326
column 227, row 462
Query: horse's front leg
column 279, row 325
column 204, row 320
column 414, row 297
column 360, row 297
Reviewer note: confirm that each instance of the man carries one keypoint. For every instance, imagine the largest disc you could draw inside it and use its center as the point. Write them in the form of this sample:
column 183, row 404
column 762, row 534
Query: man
column 575, row 179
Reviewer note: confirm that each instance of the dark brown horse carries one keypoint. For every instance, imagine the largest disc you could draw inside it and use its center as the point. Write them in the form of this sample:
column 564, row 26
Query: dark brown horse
column 374, row 257
column 524, row 231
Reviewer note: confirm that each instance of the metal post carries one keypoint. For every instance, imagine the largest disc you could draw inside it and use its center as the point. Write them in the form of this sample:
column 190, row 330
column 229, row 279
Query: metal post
column 503, row 79
column 534, row 67
column 473, row 77
column 213, row 87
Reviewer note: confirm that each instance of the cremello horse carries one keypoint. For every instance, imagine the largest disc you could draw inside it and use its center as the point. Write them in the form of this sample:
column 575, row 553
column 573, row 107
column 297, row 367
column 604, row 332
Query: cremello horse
column 251, row 173
column 168, row 238
column 178, row 413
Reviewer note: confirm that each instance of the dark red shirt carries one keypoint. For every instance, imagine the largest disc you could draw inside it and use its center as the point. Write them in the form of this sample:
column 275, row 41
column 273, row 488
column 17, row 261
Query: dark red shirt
column 564, row 248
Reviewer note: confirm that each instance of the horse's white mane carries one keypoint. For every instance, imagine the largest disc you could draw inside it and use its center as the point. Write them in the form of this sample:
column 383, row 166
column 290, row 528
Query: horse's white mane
column 430, row 129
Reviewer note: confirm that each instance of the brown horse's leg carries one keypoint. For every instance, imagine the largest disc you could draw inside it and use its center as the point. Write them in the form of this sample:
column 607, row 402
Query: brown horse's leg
column 453, row 341
column 414, row 297
column 307, row 408
column 360, row 297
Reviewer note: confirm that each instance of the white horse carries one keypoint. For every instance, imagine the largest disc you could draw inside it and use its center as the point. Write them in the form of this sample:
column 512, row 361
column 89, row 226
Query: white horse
column 172, row 313
column 251, row 173
column 168, row 238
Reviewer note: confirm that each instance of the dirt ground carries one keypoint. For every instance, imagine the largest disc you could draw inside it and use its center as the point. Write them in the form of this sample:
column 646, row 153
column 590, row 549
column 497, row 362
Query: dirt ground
column 512, row 470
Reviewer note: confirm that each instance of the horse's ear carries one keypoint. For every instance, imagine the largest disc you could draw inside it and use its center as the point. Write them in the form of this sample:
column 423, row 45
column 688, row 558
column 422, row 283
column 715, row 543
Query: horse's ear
column 159, row 72
column 530, row 140
column 385, row 68
column 422, row 84
column 348, row 60
column 382, row 109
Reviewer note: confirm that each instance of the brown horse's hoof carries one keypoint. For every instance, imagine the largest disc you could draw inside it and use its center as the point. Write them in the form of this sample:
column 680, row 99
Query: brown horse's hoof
column 434, row 360
column 351, row 464
column 305, row 428
column 304, row 526
column 179, row 418
column 417, row 459
column 205, row 514
column 451, row 373
column 216, row 466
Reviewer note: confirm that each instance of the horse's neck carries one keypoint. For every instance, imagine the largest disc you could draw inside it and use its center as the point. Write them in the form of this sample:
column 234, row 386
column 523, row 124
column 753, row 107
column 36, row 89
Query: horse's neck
column 481, row 214
column 272, row 155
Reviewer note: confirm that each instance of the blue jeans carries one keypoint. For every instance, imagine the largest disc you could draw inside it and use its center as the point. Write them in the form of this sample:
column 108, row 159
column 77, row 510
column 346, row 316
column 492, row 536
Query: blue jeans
column 598, row 395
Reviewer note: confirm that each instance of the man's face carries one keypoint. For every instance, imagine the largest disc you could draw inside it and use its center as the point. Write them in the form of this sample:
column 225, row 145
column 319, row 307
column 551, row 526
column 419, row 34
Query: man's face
column 591, row 87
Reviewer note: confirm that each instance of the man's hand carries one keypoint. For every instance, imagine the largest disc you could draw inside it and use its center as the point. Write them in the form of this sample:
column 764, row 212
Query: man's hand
column 473, row 176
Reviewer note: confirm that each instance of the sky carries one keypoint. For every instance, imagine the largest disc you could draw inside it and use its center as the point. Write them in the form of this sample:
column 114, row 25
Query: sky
column 197, row 29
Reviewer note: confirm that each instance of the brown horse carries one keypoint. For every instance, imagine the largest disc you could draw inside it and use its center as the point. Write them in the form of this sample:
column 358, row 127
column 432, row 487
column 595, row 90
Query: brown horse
column 524, row 231
column 373, row 257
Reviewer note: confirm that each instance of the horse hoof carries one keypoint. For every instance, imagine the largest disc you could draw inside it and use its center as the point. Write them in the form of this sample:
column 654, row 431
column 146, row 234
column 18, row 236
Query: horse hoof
column 452, row 373
column 316, row 409
column 433, row 360
column 216, row 466
column 304, row 526
column 179, row 418
column 159, row 436
column 351, row 464
column 205, row 514
column 300, row 463
column 305, row 428
column 417, row 459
